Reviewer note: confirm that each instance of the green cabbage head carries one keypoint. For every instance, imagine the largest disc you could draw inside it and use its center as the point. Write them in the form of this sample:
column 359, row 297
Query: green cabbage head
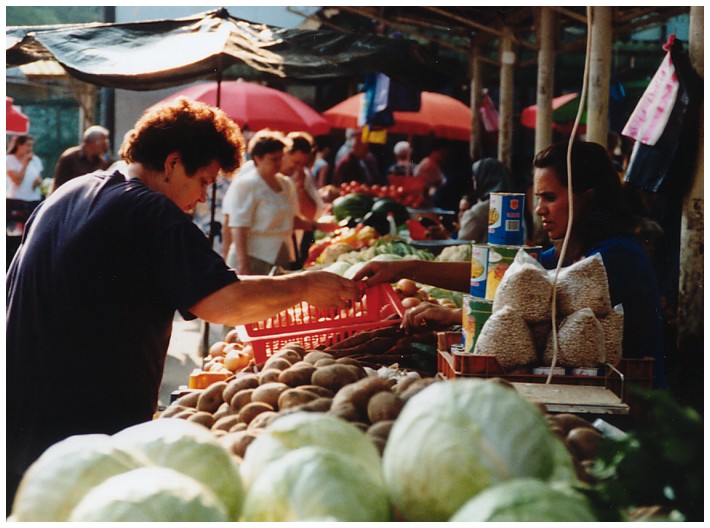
column 459, row 437
column 301, row 429
column 526, row 500
column 191, row 449
column 316, row 483
column 55, row 483
column 150, row 494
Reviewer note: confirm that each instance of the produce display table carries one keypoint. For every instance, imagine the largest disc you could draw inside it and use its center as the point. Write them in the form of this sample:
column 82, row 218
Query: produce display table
column 576, row 399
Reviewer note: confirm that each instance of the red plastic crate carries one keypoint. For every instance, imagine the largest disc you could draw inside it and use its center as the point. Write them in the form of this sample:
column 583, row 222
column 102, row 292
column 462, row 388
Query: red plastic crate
column 380, row 306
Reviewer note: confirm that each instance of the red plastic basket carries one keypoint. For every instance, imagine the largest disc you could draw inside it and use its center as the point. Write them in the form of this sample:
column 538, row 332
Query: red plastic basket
column 380, row 306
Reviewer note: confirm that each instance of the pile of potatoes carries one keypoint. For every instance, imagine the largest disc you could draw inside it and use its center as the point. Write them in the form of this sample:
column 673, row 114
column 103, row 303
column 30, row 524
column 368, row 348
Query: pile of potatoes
column 296, row 379
column 580, row 437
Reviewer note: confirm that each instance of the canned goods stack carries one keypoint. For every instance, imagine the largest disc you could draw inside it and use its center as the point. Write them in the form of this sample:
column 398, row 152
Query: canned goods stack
column 489, row 262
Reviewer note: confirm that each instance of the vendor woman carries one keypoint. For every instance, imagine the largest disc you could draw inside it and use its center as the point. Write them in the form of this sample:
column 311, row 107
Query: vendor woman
column 104, row 264
column 601, row 225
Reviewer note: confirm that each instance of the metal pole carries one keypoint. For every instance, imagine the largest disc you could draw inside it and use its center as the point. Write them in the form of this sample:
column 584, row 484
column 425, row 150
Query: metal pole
column 505, row 137
column 599, row 76
column 476, row 96
column 545, row 80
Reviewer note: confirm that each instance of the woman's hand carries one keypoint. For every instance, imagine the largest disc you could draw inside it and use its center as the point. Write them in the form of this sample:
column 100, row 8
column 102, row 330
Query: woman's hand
column 430, row 314
column 330, row 291
column 376, row 272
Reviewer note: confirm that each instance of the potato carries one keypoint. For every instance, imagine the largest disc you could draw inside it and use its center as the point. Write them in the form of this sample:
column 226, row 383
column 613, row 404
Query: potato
column 569, row 421
column 584, row 442
column 217, row 349
column 379, row 442
column 237, row 442
column 211, row 398
column 172, row 410
column 262, row 420
column 320, row 404
column 279, row 363
column 347, row 411
column 381, row 429
column 322, row 362
column 315, row 355
column 360, row 392
column 239, row 426
column 223, row 410
column 384, row 405
column 226, row 422
column 296, row 347
column 269, row 393
column 356, row 369
column 232, row 336
column 189, row 399
column 184, row 415
column 269, row 375
column 217, row 433
column 333, row 377
column 203, row 418
column 296, row 375
column 288, row 354
column 294, row 397
column 252, row 410
column 240, row 399
column 348, row 361
column 403, row 384
column 321, row 392
column 250, row 381
column 417, row 386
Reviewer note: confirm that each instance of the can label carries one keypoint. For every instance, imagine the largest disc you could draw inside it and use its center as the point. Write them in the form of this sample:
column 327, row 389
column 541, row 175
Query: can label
column 476, row 311
column 505, row 219
column 499, row 260
column 479, row 269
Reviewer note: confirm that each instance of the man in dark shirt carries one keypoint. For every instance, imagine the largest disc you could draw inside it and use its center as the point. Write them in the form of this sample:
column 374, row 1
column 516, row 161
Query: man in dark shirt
column 88, row 157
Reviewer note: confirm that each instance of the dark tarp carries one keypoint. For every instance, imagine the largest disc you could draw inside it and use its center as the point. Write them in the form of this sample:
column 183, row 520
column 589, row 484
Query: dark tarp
column 162, row 53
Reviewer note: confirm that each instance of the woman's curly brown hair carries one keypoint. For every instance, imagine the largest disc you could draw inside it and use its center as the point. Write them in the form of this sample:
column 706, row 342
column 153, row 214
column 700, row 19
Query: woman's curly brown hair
column 198, row 132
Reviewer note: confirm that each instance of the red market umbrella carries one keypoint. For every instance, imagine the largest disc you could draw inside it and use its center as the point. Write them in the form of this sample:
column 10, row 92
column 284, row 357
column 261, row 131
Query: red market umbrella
column 257, row 106
column 15, row 121
column 440, row 115
column 564, row 112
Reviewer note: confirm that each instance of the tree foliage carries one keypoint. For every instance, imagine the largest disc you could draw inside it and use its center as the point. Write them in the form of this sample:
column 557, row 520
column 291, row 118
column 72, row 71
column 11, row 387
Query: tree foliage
column 40, row 15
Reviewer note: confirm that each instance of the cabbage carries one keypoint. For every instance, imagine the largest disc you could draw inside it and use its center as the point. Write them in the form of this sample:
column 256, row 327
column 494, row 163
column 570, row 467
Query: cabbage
column 302, row 429
column 526, row 500
column 151, row 494
column 56, row 482
column 190, row 449
column 316, row 483
column 339, row 268
column 458, row 437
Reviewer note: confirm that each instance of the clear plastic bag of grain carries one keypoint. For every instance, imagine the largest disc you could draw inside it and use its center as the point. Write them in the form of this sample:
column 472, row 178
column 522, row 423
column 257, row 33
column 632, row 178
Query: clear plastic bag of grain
column 527, row 287
column 507, row 336
column 580, row 340
column 540, row 332
column 583, row 285
column 613, row 326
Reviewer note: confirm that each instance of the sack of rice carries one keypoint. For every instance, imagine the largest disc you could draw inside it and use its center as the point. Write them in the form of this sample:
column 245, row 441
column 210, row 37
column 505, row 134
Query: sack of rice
column 540, row 332
column 613, row 326
column 507, row 336
column 583, row 285
column 580, row 340
column 527, row 287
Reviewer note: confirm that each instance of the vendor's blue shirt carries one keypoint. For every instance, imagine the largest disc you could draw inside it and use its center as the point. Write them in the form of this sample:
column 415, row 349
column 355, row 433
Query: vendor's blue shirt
column 632, row 283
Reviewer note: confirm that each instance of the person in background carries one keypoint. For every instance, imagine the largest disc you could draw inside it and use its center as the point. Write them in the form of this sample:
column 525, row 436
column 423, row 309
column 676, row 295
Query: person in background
column 22, row 189
column 321, row 167
column 602, row 224
column 430, row 167
column 403, row 165
column 106, row 261
column 266, row 212
column 355, row 166
column 489, row 175
column 90, row 156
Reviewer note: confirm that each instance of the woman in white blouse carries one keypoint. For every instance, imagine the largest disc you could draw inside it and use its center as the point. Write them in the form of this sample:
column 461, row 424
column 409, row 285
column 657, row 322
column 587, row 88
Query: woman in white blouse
column 24, row 170
column 265, row 210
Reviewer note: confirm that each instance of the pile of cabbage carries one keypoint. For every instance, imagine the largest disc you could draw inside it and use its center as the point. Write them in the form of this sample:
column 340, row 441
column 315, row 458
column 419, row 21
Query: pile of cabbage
column 461, row 450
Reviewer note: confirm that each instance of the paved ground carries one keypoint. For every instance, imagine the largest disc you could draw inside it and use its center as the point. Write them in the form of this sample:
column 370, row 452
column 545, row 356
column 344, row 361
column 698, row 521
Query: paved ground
column 184, row 354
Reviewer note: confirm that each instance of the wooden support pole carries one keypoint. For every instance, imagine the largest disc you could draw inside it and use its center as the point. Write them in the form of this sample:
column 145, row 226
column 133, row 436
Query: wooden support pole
column 507, row 65
column 599, row 76
column 691, row 283
column 545, row 79
column 475, row 147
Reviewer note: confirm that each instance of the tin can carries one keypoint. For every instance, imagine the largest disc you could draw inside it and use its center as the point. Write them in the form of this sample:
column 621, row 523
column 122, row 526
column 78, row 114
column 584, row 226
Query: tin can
column 479, row 269
column 506, row 219
column 476, row 311
column 499, row 260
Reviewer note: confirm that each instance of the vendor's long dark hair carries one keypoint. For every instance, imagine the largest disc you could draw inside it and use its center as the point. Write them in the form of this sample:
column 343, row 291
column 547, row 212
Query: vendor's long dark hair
column 596, row 184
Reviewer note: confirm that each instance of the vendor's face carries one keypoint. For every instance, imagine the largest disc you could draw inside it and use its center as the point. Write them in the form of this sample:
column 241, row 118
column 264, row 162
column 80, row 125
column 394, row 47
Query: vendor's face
column 269, row 164
column 294, row 162
column 186, row 191
column 552, row 202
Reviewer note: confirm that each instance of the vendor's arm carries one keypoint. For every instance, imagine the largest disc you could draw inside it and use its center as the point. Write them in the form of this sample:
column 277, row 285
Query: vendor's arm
column 311, row 225
column 16, row 172
column 226, row 237
column 240, row 235
column 454, row 276
column 254, row 298
column 430, row 314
